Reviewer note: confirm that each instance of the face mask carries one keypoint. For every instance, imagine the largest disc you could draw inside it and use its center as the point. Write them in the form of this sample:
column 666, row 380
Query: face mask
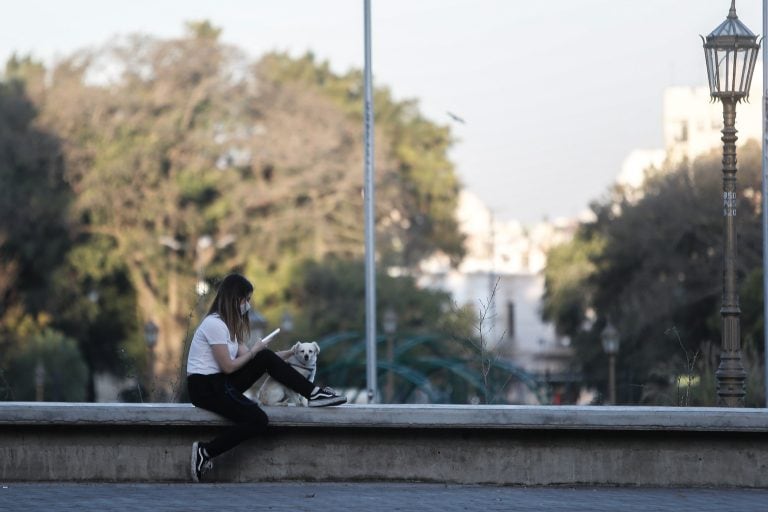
column 245, row 307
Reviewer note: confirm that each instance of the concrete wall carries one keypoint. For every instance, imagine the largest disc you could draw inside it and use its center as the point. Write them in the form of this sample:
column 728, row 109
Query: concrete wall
column 509, row 445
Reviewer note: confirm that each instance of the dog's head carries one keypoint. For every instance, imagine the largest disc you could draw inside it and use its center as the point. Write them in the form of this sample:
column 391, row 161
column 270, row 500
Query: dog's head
column 306, row 352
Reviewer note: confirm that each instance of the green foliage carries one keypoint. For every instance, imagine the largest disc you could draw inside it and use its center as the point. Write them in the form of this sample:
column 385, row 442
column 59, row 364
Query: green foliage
column 751, row 302
column 125, row 186
column 96, row 305
column 425, row 183
column 203, row 30
column 652, row 264
column 567, row 287
column 51, row 361
column 698, row 387
column 331, row 296
column 33, row 199
column 42, row 267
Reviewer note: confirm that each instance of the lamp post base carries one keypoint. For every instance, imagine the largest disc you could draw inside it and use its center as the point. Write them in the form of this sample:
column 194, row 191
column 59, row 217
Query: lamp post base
column 731, row 378
column 612, row 379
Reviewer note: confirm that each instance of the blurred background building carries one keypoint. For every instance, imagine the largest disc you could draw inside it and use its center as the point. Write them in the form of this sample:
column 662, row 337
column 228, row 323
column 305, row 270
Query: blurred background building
column 501, row 278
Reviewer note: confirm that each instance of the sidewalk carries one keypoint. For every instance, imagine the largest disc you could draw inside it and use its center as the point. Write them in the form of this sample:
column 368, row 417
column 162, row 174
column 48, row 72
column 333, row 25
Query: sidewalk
column 365, row 497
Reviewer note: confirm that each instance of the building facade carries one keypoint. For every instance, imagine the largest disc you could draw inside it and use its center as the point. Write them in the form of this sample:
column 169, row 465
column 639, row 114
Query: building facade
column 502, row 278
column 691, row 126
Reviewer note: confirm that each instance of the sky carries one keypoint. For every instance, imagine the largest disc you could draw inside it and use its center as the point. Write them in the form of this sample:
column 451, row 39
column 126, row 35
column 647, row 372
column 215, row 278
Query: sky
column 554, row 94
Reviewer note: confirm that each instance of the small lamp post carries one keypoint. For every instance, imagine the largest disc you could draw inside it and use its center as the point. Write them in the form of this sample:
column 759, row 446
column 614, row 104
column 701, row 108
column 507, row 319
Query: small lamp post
column 610, row 340
column 730, row 51
column 39, row 381
column 389, row 324
column 151, row 332
column 286, row 322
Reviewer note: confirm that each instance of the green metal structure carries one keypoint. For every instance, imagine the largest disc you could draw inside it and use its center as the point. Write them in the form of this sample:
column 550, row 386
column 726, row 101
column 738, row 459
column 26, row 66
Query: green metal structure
column 421, row 363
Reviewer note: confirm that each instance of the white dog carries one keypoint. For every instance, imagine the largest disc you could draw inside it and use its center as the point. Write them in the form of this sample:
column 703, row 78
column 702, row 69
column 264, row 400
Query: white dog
column 304, row 360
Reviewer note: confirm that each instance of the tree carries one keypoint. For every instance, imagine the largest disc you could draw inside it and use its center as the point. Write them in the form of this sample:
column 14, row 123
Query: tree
column 651, row 266
column 48, row 275
column 188, row 161
column 331, row 297
column 422, row 218
column 139, row 160
column 47, row 366
column 34, row 231
column 94, row 303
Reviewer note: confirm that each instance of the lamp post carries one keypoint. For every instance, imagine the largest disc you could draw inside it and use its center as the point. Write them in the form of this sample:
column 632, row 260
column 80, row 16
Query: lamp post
column 610, row 339
column 151, row 331
column 730, row 52
column 39, row 381
column 286, row 322
column 389, row 324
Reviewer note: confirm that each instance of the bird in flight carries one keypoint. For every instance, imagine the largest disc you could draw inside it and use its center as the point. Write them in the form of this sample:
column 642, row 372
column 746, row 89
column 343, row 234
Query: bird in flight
column 455, row 117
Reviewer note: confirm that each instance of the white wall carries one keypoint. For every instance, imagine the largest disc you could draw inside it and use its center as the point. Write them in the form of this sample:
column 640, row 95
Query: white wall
column 514, row 256
column 692, row 123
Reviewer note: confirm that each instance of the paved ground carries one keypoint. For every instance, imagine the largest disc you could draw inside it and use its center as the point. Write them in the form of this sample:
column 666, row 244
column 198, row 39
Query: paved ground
column 364, row 497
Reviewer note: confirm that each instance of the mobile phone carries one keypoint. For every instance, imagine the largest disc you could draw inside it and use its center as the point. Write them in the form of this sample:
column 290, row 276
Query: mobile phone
column 268, row 337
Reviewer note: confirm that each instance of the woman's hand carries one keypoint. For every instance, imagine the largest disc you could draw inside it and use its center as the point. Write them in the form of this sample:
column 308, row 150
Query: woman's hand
column 243, row 350
column 229, row 365
column 256, row 348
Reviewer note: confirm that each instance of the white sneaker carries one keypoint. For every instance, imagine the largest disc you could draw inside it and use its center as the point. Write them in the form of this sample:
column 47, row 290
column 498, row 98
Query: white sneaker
column 200, row 462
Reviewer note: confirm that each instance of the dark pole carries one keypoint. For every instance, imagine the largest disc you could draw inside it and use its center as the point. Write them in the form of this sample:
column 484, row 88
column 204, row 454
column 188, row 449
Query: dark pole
column 389, row 323
column 151, row 331
column 730, row 373
column 610, row 340
column 390, row 374
column 612, row 378
column 151, row 391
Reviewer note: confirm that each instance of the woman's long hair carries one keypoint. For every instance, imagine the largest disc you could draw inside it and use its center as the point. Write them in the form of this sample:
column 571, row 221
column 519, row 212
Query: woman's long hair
column 232, row 290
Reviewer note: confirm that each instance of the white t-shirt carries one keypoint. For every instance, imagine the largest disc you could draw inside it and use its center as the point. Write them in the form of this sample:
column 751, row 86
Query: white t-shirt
column 212, row 331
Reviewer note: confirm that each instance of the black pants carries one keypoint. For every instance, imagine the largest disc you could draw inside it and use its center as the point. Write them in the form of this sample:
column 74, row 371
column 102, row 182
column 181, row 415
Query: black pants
column 223, row 394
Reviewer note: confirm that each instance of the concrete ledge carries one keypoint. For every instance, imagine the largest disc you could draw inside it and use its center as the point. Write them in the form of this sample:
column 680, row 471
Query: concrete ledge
column 402, row 416
column 512, row 445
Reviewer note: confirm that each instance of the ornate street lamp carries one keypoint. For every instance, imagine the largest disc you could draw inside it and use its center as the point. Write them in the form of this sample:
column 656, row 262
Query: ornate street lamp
column 730, row 51
column 610, row 340
column 389, row 325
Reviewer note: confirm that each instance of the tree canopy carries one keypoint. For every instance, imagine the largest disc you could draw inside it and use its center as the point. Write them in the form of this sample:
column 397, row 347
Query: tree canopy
column 653, row 267
column 148, row 168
